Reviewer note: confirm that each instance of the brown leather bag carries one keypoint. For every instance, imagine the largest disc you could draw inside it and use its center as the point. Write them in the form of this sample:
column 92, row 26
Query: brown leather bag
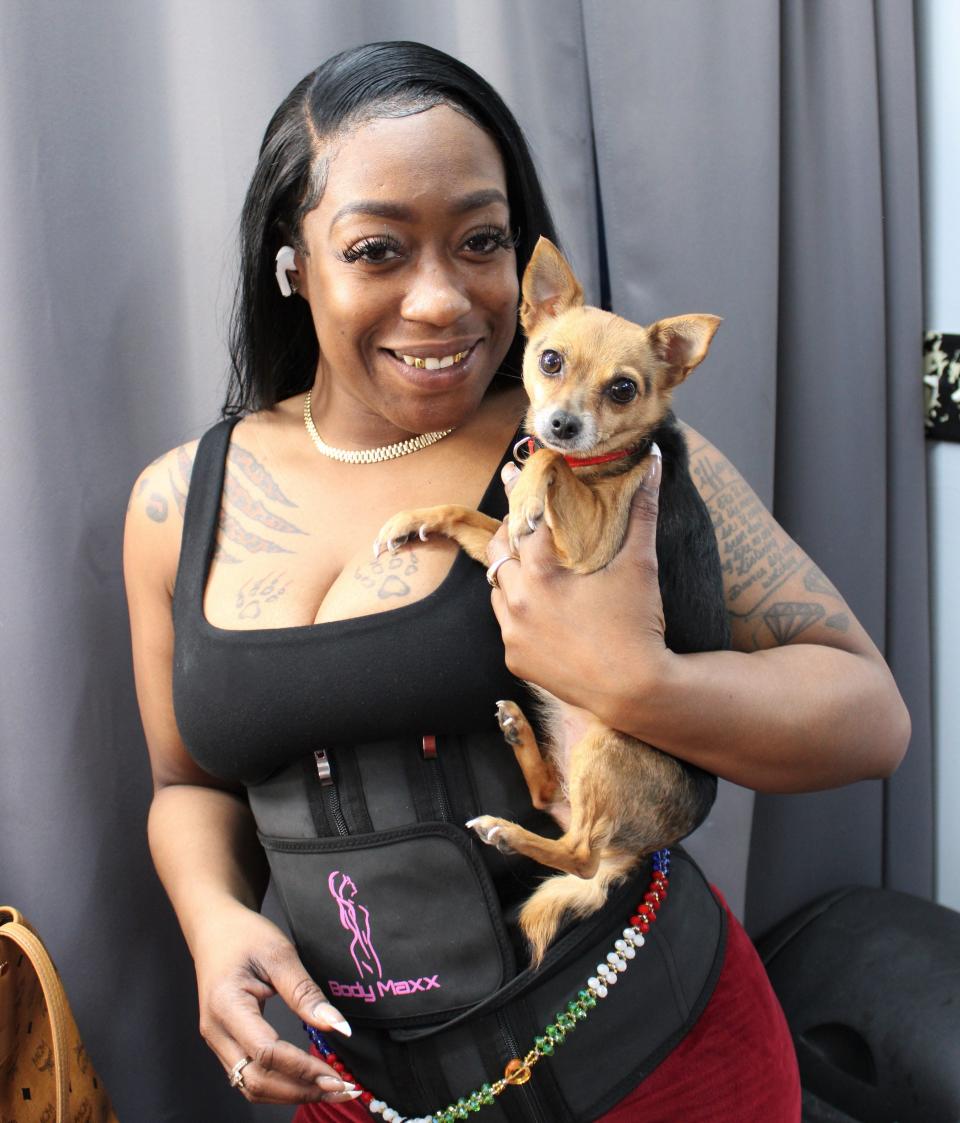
column 45, row 1073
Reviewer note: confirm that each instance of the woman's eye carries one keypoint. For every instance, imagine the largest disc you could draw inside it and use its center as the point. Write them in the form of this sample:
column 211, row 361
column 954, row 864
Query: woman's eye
column 623, row 390
column 551, row 362
column 374, row 251
column 488, row 241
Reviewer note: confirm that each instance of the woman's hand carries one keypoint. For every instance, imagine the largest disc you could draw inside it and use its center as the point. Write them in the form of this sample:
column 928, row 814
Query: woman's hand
column 569, row 633
column 242, row 959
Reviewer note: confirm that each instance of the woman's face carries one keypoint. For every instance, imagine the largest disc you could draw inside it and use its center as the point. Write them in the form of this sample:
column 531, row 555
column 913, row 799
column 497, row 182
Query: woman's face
column 409, row 253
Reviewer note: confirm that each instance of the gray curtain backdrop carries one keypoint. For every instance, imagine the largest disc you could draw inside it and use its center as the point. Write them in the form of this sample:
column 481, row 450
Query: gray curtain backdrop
column 756, row 160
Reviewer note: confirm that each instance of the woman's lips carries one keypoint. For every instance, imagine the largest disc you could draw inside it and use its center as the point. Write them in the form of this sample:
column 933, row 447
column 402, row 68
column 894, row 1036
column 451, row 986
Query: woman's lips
column 437, row 371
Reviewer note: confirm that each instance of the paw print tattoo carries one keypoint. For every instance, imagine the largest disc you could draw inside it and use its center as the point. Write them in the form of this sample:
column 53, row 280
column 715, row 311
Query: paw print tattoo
column 387, row 575
column 259, row 591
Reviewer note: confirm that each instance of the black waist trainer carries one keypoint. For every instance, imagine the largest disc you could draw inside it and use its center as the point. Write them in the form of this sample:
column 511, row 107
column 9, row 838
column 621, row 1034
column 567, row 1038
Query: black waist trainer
column 360, row 789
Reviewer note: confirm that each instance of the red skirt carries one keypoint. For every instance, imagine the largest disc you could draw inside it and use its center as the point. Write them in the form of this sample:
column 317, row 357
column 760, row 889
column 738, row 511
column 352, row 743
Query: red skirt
column 737, row 1062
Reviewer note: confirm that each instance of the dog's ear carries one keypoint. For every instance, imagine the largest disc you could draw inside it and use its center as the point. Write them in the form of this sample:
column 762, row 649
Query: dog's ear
column 682, row 342
column 549, row 286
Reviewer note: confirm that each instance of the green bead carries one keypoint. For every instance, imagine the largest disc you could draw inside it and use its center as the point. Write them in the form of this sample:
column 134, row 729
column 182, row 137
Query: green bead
column 555, row 1033
column 590, row 1000
column 580, row 1013
column 473, row 1101
column 486, row 1094
column 544, row 1045
column 583, row 995
column 461, row 1109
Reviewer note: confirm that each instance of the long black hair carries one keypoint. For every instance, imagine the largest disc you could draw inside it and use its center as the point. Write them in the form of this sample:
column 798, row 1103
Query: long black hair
column 273, row 347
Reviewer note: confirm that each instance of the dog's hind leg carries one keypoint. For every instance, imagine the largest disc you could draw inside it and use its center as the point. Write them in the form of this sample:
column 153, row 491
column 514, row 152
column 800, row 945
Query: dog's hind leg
column 537, row 771
column 468, row 528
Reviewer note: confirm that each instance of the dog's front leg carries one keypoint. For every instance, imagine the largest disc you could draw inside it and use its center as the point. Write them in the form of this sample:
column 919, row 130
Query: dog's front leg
column 468, row 528
column 548, row 489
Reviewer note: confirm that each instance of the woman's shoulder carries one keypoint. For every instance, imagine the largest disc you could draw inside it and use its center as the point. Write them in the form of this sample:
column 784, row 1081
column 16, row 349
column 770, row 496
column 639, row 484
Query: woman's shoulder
column 154, row 522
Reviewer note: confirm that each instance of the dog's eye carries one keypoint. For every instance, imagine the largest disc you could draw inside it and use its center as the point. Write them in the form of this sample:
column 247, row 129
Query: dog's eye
column 623, row 390
column 551, row 362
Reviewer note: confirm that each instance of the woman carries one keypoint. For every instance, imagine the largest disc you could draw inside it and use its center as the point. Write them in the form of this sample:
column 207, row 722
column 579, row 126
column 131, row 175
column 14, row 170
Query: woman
column 305, row 684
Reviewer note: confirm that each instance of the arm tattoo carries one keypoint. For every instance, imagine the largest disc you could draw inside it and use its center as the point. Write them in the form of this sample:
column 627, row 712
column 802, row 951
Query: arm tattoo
column 387, row 576
column 758, row 561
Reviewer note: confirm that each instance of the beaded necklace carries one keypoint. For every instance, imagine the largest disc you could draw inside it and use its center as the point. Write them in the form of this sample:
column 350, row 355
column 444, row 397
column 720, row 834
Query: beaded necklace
column 518, row 1070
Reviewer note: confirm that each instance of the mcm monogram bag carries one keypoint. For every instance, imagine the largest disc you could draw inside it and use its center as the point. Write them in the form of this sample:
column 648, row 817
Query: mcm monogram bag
column 45, row 1073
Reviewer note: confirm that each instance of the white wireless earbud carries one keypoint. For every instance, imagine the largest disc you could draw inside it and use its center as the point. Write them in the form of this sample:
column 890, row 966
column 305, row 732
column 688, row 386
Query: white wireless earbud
column 285, row 261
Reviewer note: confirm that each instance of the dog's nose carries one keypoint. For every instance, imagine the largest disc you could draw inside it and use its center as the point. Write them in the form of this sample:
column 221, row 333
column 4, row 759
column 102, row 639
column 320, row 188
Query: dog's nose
column 564, row 425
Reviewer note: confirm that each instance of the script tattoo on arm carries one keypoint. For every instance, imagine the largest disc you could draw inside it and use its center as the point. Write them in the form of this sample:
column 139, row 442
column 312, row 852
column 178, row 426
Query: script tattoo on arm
column 775, row 594
column 388, row 575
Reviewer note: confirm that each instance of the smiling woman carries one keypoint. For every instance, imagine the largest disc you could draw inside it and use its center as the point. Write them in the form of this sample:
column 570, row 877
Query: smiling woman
column 326, row 717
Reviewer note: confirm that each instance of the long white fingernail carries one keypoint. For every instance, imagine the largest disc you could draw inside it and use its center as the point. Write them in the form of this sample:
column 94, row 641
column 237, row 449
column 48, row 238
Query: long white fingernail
column 509, row 472
column 651, row 481
column 324, row 1012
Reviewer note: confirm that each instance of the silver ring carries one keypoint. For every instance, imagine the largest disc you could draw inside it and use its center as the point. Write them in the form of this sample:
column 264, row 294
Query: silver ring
column 492, row 571
column 236, row 1073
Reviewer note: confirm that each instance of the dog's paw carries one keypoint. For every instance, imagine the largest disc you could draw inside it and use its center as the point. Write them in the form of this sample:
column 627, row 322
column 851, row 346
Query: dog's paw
column 523, row 519
column 511, row 721
column 490, row 830
column 397, row 531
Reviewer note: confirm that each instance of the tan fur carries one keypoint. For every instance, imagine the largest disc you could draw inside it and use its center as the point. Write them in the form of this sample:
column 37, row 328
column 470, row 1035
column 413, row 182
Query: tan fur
column 617, row 798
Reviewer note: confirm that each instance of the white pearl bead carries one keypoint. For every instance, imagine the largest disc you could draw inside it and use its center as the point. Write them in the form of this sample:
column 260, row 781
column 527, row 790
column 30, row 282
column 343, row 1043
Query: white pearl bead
column 611, row 978
column 630, row 933
column 612, row 957
column 638, row 940
column 601, row 991
column 603, row 970
column 620, row 964
column 629, row 952
column 620, row 945
column 376, row 1106
column 593, row 982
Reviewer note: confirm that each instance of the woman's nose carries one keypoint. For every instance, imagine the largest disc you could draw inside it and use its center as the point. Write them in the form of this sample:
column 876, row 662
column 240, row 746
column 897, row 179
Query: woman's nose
column 435, row 296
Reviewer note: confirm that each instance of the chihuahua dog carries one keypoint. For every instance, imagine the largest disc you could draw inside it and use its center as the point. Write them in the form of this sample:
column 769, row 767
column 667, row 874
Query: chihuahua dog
column 600, row 389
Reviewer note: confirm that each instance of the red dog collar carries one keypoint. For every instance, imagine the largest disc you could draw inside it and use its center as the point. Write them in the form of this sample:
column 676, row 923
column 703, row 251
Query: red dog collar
column 526, row 446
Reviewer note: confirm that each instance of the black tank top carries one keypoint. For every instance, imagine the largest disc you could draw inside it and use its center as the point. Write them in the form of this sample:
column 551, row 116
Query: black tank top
column 250, row 702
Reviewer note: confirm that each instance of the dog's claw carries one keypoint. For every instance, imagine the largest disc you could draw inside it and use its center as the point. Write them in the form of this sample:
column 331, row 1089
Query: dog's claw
column 394, row 544
column 532, row 523
column 422, row 532
column 377, row 549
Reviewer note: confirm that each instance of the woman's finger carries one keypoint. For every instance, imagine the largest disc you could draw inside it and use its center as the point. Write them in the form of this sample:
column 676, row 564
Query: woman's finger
column 277, row 1071
column 640, row 542
column 261, row 1084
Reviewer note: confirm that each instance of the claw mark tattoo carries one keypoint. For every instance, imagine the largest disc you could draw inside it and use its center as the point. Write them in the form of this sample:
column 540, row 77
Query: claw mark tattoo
column 258, row 591
column 243, row 501
column 255, row 472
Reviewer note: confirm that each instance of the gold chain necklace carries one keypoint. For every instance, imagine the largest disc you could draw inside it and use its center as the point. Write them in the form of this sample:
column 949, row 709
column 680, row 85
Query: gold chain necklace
column 367, row 455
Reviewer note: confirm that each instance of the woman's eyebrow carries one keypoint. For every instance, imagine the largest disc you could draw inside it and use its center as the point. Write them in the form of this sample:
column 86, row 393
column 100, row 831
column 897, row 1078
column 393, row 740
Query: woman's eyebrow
column 376, row 208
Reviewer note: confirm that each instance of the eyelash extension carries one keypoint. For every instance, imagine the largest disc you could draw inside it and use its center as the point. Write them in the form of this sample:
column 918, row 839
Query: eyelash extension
column 503, row 239
column 365, row 245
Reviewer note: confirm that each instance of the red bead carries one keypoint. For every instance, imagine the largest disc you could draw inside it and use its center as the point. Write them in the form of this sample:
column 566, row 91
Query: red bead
column 366, row 1097
column 348, row 1076
column 330, row 1058
column 643, row 926
column 658, row 875
column 636, row 921
column 339, row 1066
column 653, row 899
